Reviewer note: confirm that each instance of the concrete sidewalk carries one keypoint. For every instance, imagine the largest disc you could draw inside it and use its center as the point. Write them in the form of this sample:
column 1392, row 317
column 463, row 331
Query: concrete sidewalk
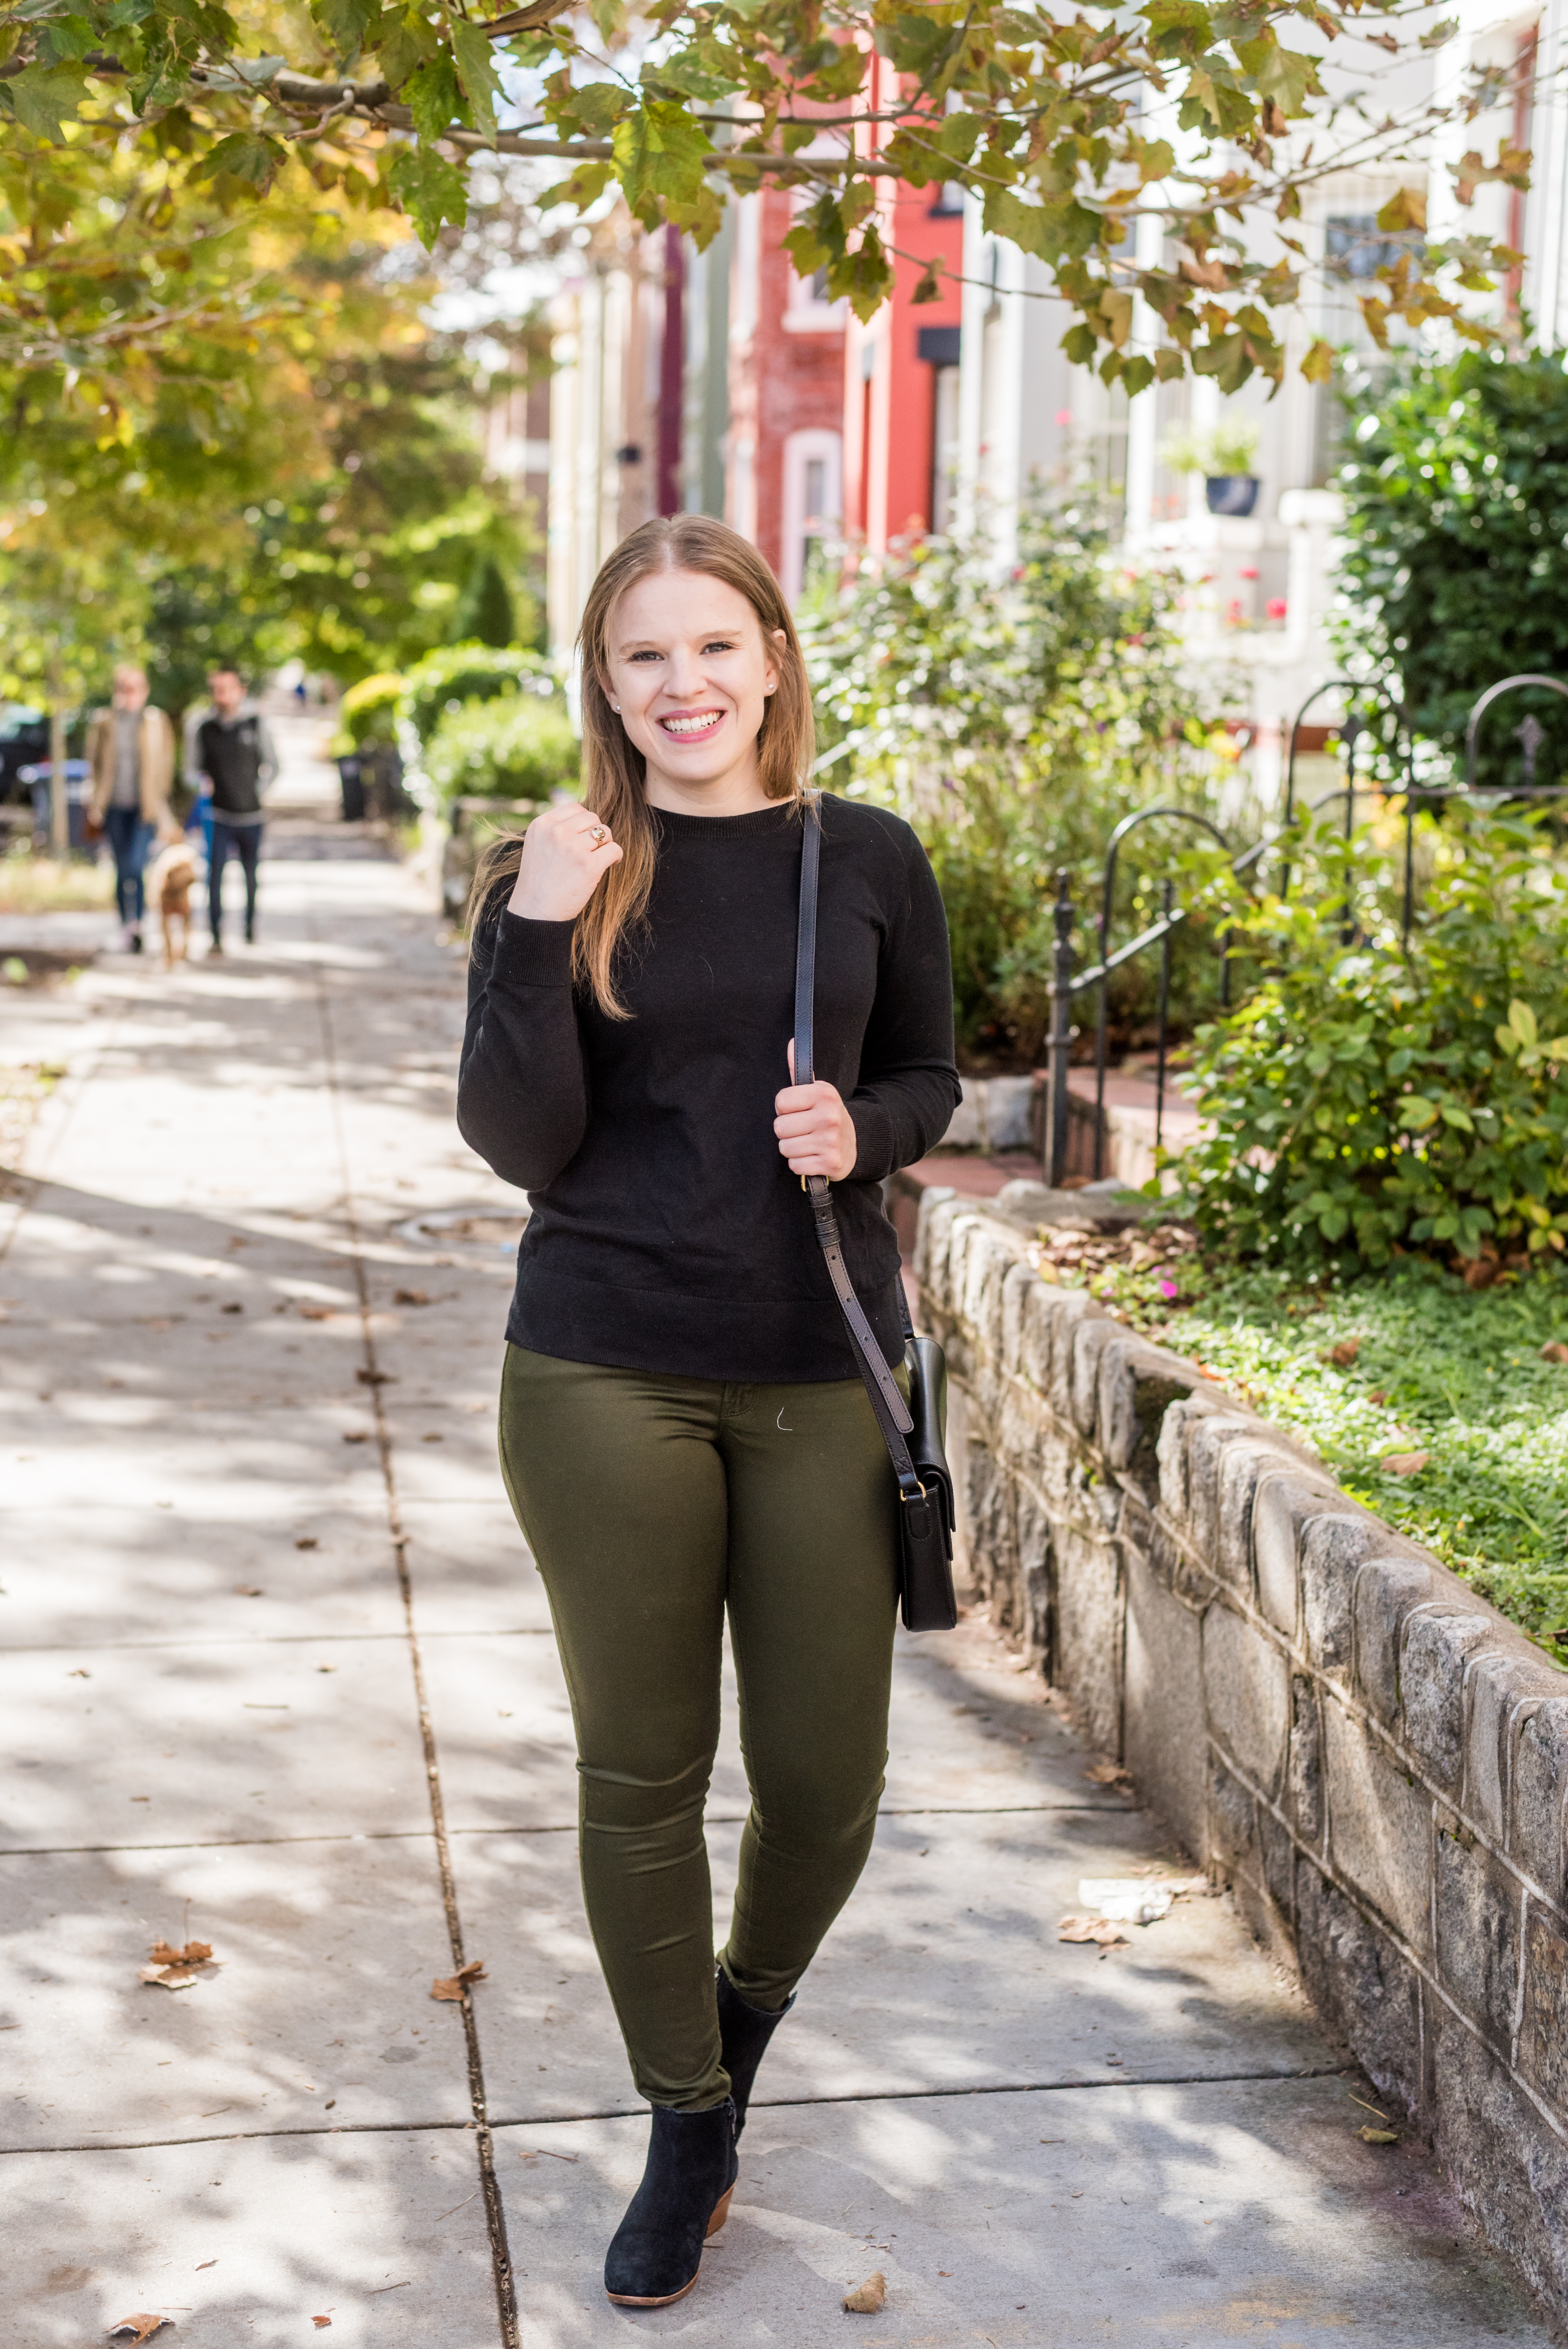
column 279, row 1677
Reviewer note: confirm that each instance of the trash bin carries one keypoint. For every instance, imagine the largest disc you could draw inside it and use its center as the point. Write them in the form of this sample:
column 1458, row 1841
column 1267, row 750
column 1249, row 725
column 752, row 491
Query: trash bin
column 78, row 791
column 351, row 780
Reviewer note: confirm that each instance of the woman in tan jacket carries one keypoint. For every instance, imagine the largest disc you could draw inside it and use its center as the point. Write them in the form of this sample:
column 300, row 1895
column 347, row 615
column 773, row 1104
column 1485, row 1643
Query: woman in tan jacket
column 130, row 750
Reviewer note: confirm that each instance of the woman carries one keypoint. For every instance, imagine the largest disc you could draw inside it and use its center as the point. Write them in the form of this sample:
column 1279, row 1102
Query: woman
column 682, row 1429
column 130, row 752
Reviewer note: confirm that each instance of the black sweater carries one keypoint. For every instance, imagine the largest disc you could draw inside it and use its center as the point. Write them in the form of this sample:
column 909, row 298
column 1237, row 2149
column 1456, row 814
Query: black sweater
column 667, row 1233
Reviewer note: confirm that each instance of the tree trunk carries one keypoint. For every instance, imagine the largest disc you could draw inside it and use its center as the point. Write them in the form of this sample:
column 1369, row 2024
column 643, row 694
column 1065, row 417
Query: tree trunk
column 60, row 807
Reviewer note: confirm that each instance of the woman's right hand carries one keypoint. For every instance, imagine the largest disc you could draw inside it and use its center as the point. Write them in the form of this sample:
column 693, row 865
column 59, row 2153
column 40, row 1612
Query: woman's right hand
column 566, row 853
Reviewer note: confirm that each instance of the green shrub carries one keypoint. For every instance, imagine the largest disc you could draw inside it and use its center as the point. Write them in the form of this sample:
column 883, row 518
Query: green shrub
column 1014, row 722
column 1456, row 564
column 367, row 714
column 1371, row 1098
column 438, row 685
column 519, row 747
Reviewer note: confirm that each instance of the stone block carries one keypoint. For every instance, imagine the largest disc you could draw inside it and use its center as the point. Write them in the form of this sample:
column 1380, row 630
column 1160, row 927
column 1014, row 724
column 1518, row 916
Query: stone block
column 1223, row 1463
column 1437, row 1646
column 988, row 1258
column 1332, row 1551
column 1543, row 2023
column 1246, row 1696
column 1163, row 1740
column 1137, row 1383
column 1278, row 1854
column 1305, row 1774
column 1075, row 1395
column 1285, row 1506
column 1231, row 1842
column 1540, row 1782
column 933, row 1238
column 1174, row 1449
column 1365, row 1992
column 1507, row 2164
column 1501, row 1684
column 1049, row 1316
column 1477, row 1910
column 964, row 1130
column 1089, row 1630
column 993, row 1532
column 1016, row 1286
column 1379, row 1826
column 1386, row 1588
column 1036, row 1576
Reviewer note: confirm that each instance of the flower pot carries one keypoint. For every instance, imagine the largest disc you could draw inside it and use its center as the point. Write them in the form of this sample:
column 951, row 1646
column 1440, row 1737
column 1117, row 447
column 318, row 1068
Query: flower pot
column 1232, row 493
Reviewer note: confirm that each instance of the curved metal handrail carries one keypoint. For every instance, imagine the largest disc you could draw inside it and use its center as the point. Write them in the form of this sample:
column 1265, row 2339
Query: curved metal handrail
column 1494, row 693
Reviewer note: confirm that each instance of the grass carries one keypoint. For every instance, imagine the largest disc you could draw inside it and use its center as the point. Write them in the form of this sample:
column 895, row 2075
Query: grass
column 46, row 884
column 1409, row 1367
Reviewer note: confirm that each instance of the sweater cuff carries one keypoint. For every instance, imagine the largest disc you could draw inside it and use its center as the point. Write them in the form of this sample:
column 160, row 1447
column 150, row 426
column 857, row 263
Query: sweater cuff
column 873, row 1140
column 531, row 954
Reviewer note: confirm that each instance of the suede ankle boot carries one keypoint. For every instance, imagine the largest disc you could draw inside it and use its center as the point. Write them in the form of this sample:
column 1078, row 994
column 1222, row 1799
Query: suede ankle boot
column 744, row 2032
column 684, row 2197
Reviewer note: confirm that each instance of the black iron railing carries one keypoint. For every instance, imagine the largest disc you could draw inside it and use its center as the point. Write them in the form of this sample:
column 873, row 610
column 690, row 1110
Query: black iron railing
column 1067, row 982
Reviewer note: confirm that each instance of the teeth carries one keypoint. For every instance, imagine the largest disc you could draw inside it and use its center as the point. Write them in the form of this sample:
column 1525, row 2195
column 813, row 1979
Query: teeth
column 691, row 725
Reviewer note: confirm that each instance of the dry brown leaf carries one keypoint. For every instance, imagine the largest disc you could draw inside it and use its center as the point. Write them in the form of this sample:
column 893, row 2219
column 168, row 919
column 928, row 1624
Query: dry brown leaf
column 316, row 1313
column 1344, row 1354
column 1404, row 1464
column 1090, row 1929
column 869, row 2297
column 1378, row 2136
column 249, row 1590
column 306, row 1541
column 411, row 1297
column 375, row 1378
column 319, row 2320
column 1554, row 1351
column 140, row 2328
column 194, row 1953
column 455, row 1984
column 1108, row 1773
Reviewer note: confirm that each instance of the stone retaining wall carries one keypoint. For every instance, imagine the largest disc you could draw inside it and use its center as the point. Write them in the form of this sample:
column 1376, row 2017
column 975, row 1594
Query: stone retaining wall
column 1372, row 1758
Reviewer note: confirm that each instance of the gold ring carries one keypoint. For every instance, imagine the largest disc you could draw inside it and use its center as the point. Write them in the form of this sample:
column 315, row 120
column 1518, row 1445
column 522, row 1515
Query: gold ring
column 599, row 832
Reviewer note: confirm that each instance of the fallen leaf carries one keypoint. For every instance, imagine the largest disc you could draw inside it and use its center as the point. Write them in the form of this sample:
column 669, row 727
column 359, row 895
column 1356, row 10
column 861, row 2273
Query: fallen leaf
column 81, row 1673
column 1404, row 1464
column 411, row 1297
column 306, row 1541
column 1378, row 2136
column 1342, row 1355
column 1377, row 1395
column 1108, row 1773
column 235, row 1308
column 1090, row 1929
column 1554, row 1351
column 357, row 1436
column 205, row 2263
column 319, row 2320
column 167, row 1977
column 315, row 1312
column 455, row 1984
column 249, row 1590
column 140, row 2328
column 194, row 1953
column 374, row 1378
column 867, row 2298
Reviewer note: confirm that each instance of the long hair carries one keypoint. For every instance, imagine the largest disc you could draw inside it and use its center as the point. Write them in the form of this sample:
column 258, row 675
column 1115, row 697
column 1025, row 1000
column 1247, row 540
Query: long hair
column 614, row 771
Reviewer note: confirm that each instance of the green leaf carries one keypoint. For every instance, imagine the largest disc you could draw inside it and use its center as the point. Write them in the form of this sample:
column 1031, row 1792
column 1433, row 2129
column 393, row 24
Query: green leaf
column 429, row 191
column 1417, row 1113
column 44, row 97
column 660, row 155
column 1318, row 365
column 1283, row 75
column 1522, row 1021
column 476, row 69
column 403, row 42
column 345, row 24
column 434, row 100
column 241, row 156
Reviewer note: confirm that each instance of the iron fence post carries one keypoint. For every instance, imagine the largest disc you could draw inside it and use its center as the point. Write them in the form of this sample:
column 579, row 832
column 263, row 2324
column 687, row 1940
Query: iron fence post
column 1061, row 1035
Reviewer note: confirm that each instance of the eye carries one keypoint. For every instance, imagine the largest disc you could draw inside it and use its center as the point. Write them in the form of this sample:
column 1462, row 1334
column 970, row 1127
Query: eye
column 720, row 644
column 647, row 656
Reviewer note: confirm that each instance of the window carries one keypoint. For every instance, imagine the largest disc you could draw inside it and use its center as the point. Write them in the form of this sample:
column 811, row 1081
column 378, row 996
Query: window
column 814, row 503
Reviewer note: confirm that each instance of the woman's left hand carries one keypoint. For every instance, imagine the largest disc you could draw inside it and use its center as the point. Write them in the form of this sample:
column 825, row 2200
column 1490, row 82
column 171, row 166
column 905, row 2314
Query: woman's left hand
column 816, row 1133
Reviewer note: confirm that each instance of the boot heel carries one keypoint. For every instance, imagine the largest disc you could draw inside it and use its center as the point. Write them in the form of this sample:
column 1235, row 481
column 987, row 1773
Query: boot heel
column 720, row 2214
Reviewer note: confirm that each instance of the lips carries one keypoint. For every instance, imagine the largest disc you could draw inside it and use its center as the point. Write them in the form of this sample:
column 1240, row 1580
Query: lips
column 691, row 725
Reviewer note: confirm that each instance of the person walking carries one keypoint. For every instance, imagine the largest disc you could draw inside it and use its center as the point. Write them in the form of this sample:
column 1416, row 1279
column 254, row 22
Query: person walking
column 682, row 1429
column 235, row 755
column 131, row 753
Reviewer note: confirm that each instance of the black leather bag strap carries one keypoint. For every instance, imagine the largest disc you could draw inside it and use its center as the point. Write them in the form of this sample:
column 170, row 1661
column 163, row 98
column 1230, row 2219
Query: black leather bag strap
column 891, row 1413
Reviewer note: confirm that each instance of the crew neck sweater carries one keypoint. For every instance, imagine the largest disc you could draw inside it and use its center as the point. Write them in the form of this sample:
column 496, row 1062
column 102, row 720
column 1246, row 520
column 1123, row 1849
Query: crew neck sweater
column 665, row 1231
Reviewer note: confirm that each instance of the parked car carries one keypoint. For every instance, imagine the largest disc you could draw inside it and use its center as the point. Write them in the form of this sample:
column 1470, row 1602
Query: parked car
column 24, row 740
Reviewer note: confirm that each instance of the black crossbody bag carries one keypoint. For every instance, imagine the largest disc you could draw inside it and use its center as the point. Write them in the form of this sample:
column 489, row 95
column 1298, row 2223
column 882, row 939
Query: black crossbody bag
column 914, row 1435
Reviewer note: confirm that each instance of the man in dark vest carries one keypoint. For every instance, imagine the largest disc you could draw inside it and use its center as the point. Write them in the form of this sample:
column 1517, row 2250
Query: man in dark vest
column 234, row 751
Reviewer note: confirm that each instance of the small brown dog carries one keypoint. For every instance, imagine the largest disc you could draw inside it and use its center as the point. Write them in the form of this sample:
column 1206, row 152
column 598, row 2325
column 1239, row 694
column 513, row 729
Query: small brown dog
column 169, row 881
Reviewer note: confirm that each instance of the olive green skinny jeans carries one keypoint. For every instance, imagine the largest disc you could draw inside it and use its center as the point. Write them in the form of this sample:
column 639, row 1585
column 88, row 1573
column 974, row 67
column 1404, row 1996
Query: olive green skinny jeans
column 652, row 1504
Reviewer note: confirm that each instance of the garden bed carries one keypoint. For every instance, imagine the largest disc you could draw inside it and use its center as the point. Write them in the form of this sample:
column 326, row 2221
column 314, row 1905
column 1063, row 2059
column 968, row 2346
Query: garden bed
column 1432, row 1403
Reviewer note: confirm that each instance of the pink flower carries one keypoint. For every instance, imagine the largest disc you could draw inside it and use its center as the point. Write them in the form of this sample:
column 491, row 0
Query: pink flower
column 1168, row 1287
column 1064, row 416
column 1249, row 570
column 1233, row 612
column 1276, row 607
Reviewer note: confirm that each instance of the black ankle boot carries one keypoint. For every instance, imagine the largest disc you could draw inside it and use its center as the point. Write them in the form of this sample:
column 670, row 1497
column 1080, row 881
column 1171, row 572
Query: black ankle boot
column 744, row 2032
column 684, row 2197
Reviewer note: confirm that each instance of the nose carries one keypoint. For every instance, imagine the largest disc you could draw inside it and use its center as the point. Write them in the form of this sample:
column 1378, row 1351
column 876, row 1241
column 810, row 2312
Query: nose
column 684, row 679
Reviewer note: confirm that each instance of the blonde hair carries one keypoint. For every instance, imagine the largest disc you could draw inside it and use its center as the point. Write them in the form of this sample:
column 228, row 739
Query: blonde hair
column 613, row 769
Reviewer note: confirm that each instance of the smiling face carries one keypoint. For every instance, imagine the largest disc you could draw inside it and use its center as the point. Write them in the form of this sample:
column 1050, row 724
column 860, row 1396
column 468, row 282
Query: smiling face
column 690, row 672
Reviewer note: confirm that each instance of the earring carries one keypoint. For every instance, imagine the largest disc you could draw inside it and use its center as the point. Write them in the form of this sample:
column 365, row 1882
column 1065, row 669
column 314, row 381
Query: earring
column 616, row 708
